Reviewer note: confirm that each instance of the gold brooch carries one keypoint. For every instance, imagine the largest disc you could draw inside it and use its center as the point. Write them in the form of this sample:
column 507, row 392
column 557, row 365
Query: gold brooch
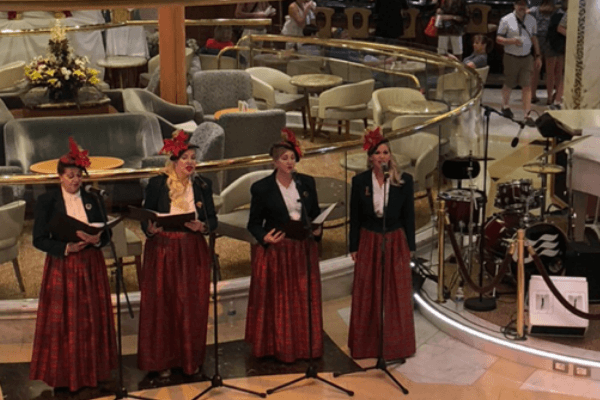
column 88, row 206
column 199, row 204
column 367, row 192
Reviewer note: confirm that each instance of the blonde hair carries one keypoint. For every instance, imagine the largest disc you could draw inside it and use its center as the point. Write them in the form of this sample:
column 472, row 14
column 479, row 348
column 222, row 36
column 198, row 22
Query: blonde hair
column 395, row 173
column 177, row 187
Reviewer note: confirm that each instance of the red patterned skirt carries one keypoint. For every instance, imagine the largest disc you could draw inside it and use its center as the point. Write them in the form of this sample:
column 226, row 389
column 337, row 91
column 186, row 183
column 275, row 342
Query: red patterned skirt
column 398, row 324
column 75, row 342
column 175, row 293
column 277, row 320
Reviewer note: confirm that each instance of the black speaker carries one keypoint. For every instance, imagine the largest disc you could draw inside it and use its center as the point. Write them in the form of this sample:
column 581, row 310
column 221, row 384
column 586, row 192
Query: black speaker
column 581, row 259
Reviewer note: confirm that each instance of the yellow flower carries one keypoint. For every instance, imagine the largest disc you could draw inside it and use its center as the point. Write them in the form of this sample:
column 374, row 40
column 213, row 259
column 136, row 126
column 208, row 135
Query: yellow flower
column 36, row 76
column 53, row 81
column 50, row 72
column 92, row 71
column 78, row 73
column 94, row 81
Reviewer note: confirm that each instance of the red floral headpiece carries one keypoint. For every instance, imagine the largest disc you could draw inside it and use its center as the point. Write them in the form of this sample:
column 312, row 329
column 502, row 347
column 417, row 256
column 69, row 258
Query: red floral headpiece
column 372, row 139
column 76, row 155
column 177, row 145
column 291, row 138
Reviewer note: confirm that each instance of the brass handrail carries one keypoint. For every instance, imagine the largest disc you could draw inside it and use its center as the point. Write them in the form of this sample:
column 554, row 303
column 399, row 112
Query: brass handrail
column 264, row 159
column 110, row 25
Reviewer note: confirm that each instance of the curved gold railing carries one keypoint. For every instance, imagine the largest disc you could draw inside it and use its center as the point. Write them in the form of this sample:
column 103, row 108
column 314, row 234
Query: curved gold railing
column 109, row 25
column 264, row 159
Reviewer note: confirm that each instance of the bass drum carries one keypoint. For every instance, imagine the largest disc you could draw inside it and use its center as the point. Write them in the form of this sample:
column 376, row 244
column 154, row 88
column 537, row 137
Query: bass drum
column 548, row 241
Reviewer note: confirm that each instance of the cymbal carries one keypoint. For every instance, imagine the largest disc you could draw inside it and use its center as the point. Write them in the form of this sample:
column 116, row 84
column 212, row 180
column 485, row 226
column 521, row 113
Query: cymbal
column 543, row 168
column 563, row 146
column 470, row 158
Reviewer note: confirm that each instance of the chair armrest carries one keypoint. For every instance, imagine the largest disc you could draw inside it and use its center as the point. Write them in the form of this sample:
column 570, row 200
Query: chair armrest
column 426, row 163
column 263, row 91
column 156, row 161
column 174, row 113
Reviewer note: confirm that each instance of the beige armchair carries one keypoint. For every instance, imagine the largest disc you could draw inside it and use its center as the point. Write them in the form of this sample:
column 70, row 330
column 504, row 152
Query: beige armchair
column 383, row 98
column 11, row 75
column 209, row 62
column 234, row 212
column 154, row 64
column 422, row 149
column 343, row 103
column 127, row 244
column 12, row 217
column 457, row 87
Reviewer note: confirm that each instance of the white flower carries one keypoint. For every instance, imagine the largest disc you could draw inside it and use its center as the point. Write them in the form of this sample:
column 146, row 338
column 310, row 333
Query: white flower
column 65, row 72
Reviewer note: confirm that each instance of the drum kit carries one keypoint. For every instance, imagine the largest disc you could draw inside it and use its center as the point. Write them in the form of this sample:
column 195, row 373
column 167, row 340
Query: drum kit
column 518, row 201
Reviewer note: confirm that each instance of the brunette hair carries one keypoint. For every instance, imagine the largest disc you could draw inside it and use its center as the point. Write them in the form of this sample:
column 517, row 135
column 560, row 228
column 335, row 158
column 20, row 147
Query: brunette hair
column 223, row 33
column 62, row 166
column 281, row 147
column 485, row 40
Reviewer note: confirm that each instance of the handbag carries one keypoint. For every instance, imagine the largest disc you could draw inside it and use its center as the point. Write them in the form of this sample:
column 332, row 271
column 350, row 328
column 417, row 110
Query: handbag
column 431, row 29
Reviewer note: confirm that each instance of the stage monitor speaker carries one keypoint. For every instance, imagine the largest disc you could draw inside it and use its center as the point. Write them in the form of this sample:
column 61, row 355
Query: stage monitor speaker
column 581, row 260
column 547, row 316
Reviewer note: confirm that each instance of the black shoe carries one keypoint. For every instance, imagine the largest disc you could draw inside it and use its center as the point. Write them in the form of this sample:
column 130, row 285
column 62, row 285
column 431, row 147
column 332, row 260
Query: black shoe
column 507, row 112
column 529, row 122
column 535, row 100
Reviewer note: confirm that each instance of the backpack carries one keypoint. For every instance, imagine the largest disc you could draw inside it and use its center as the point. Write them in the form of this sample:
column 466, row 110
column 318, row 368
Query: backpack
column 556, row 40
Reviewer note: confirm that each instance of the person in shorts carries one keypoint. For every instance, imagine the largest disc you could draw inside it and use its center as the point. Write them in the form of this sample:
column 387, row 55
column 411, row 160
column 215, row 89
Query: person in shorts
column 517, row 33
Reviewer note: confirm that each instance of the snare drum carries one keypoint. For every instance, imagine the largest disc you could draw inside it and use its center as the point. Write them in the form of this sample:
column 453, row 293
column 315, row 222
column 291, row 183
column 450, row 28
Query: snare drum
column 513, row 195
column 458, row 204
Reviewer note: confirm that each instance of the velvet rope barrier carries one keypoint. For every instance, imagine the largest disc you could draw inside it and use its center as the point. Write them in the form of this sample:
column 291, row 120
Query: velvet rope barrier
column 465, row 274
column 542, row 270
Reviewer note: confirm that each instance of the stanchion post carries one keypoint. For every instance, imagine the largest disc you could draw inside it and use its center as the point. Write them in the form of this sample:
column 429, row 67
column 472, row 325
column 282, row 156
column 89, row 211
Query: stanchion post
column 520, row 283
column 441, row 219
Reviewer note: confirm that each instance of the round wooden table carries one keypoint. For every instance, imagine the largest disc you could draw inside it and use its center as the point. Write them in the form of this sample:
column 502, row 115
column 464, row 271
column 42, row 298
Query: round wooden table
column 123, row 71
column 358, row 162
column 419, row 107
column 231, row 110
column 410, row 67
column 97, row 164
column 314, row 83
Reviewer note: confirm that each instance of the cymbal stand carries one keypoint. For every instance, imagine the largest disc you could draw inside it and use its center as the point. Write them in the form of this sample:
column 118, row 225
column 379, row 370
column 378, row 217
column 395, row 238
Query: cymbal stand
column 544, row 180
column 571, row 211
column 121, row 392
column 480, row 303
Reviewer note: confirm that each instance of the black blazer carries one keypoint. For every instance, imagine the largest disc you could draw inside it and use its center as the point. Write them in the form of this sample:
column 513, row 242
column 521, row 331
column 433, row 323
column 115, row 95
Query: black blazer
column 47, row 206
column 268, row 209
column 400, row 210
column 157, row 199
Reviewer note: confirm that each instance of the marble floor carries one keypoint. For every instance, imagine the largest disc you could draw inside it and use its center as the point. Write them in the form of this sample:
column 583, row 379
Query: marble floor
column 443, row 367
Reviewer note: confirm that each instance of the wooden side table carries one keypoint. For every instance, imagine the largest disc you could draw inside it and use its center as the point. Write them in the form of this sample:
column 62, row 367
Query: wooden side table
column 314, row 83
column 231, row 110
column 97, row 164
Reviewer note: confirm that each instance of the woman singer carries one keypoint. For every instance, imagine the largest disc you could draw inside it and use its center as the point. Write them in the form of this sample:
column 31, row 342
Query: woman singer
column 277, row 322
column 382, row 185
column 75, row 343
column 176, row 271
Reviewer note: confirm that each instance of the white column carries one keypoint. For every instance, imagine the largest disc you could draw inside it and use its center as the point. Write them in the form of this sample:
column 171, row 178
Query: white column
column 582, row 76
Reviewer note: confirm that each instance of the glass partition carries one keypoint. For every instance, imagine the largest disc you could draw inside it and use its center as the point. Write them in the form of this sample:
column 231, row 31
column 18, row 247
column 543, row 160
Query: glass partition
column 333, row 152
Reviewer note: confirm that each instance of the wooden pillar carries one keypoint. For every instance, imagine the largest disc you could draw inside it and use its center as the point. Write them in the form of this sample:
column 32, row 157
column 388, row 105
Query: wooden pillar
column 171, row 28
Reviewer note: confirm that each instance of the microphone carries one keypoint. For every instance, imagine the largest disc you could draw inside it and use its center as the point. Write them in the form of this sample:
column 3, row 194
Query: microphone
column 515, row 141
column 96, row 191
column 386, row 170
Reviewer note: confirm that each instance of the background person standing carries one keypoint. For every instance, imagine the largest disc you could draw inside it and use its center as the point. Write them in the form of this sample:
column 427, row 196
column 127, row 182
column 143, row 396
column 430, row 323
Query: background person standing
column 516, row 32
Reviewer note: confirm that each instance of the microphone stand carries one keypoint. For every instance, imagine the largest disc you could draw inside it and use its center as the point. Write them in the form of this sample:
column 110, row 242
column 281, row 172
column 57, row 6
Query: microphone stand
column 217, row 380
column 121, row 392
column 480, row 303
column 381, row 363
column 311, row 371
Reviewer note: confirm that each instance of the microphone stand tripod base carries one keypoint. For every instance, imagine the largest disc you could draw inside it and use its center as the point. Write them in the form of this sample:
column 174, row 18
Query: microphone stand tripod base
column 480, row 303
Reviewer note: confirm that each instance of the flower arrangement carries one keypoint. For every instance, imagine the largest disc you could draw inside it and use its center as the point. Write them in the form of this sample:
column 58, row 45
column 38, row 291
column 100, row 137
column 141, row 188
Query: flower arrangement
column 61, row 71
